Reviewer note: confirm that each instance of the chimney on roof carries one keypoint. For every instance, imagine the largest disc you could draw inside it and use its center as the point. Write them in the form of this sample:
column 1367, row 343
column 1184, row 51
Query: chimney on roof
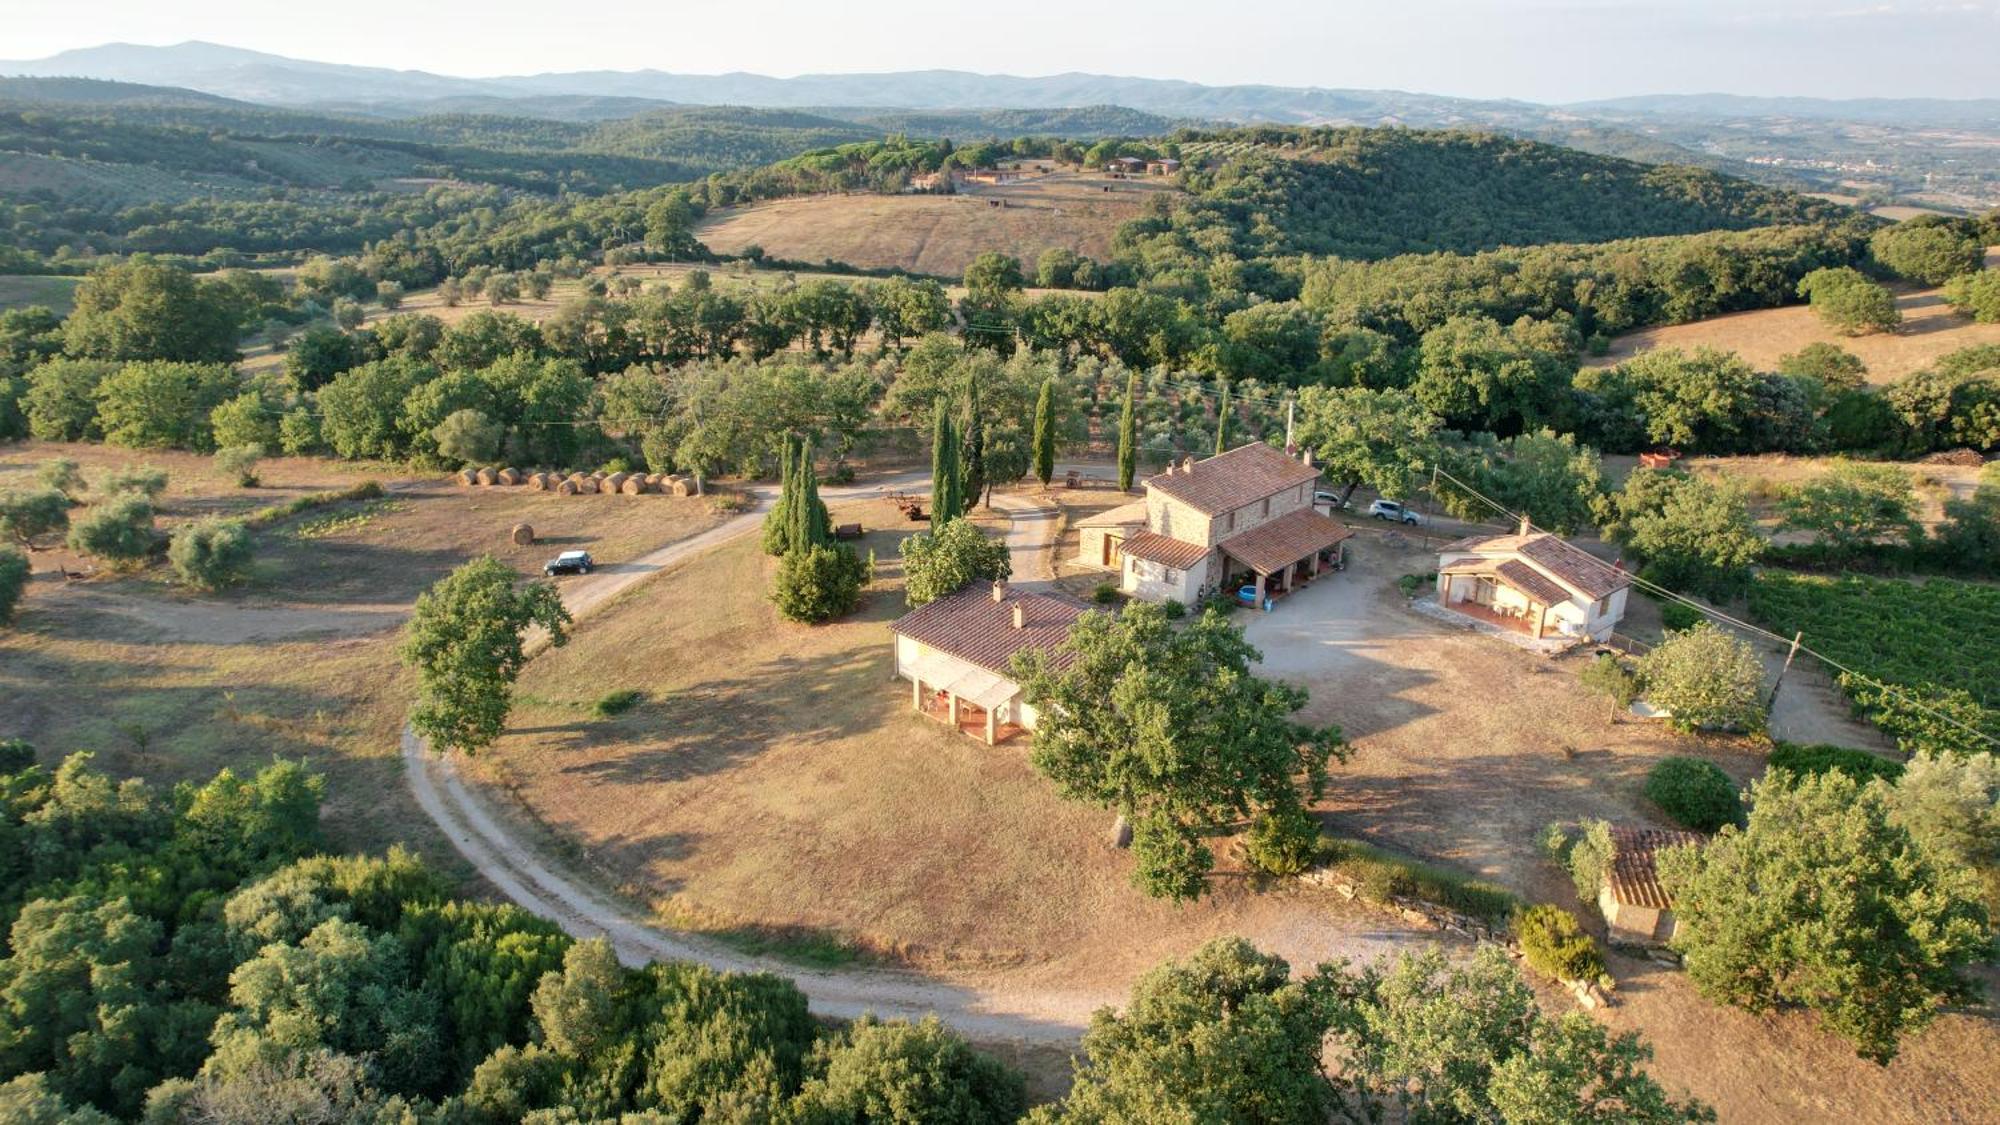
column 1307, row 458
column 1187, row 463
column 1526, row 527
column 1020, row 616
column 999, row 592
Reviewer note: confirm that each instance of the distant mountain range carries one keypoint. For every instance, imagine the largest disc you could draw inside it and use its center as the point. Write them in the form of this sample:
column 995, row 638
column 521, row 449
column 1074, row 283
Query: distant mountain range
column 275, row 79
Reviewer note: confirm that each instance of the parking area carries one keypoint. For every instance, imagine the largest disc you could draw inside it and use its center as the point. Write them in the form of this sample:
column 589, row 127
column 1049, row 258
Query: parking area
column 1463, row 747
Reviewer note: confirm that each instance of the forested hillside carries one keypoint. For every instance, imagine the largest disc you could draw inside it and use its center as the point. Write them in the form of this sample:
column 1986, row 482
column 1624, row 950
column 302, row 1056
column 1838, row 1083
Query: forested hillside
column 1372, row 193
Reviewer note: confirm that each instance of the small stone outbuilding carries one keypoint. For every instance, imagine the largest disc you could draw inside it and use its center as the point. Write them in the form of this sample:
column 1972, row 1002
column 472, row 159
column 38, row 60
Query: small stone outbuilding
column 1635, row 906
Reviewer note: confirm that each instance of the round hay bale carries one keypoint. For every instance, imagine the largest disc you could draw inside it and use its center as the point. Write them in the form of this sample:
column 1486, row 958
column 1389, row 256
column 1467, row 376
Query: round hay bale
column 656, row 482
column 508, row 476
column 467, row 477
column 612, row 483
column 683, row 486
column 538, row 481
column 599, row 475
column 566, row 488
column 634, row 485
column 523, row 535
column 586, row 486
column 486, row 476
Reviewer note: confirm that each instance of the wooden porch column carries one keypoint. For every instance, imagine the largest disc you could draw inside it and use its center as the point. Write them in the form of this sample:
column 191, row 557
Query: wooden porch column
column 917, row 692
column 992, row 728
column 1541, row 620
column 1260, row 592
column 951, row 709
column 1312, row 564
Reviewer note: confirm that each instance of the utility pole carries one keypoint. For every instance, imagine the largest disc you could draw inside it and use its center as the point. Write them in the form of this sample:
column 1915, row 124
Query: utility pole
column 1780, row 681
column 1291, row 445
column 1429, row 502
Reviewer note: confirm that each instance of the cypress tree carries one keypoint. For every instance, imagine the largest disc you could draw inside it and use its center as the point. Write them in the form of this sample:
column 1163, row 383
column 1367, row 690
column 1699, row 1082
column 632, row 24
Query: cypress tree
column 814, row 524
column 972, row 450
column 778, row 524
column 944, row 469
column 1222, row 421
column 1045, row 433
column 1128, row 434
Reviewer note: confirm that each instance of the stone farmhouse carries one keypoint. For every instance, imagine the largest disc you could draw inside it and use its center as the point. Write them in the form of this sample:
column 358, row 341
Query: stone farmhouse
column 1532, row 583
column 956, row 652
column 1241, row 519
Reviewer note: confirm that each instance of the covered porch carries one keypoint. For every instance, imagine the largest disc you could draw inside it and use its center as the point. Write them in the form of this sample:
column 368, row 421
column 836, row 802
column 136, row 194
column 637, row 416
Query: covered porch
column 1509, row 596
column 1284, row 555
column 972, row 700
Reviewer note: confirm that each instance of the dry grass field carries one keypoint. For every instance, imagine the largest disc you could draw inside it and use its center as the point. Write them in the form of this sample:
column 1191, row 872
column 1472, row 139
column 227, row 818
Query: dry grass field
column 936, row 234
column 19, row 290
column 1930, row 329
column 776, row 782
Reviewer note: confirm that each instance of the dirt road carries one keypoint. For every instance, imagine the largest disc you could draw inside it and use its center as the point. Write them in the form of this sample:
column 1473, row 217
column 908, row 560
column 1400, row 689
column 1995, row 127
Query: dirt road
column 987, row 1010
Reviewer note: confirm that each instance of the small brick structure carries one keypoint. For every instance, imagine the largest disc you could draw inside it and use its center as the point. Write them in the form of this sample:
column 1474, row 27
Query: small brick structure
column 1635, row 906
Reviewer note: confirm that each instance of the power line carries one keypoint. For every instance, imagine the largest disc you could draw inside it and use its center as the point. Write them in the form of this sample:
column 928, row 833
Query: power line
column 1721, row 616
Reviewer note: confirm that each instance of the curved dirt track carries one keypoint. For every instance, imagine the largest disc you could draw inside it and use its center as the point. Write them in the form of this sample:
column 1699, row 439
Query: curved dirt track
column 986, row 1011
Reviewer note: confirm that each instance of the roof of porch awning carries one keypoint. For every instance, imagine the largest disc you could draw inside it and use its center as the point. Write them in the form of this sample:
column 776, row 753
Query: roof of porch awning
column 1285, row 540
column 969, row 682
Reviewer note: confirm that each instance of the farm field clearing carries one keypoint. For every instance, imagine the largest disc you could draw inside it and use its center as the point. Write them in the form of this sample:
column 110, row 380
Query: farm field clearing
column 936, row 234
column 1930, row 329
column 19, row 290
column 300, row 662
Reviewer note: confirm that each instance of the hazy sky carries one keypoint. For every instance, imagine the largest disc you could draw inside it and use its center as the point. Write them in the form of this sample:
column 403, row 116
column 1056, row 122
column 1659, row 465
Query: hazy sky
column 1545, row 50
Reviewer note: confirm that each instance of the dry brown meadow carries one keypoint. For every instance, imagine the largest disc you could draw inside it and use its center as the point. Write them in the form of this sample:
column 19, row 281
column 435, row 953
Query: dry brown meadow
column 936, row 234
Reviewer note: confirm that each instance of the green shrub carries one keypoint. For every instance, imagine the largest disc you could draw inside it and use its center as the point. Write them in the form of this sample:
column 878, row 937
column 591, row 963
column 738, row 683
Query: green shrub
column 1381, row 875
column 1583, row 851
column 1679, row 617
column 28, row 516
column 1555, row 944
column 240, row 462
column 119, row 531
column 134, row 480
column 1174, row 610
column 617, row 702
column 13, row 582
column 818, row 583
column 210, row 554
column 1106, row 594
column 1706, row 679
column 1820, row 758
column 1283, row 842
column 61, row 474
column 1609, row 675
column 16, row 754
column 1695, row 793
column 1414, row 584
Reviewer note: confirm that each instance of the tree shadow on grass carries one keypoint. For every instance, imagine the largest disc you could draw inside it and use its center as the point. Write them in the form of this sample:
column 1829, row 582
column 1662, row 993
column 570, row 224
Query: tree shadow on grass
column 714, row 726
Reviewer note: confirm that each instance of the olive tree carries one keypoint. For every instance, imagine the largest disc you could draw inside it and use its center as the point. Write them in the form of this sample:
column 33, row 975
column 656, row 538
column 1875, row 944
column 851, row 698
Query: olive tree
column 13, row 582
column 210, row 554
column 935, row 563
column 466, row 640
column 1825, row 901
column 119, row 531
column 1705, row 678
column 26, row 517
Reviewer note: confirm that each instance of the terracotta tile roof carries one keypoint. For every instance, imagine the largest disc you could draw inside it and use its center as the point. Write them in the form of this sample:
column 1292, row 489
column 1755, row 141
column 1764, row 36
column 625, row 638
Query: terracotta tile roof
column 1531, row 582
column 1592, row 576
column 1245, row 474
column 1122, row 515
column 1632, row 874
column 1586, row 572
column 1285, row 540
column 1165, row 550
column 972, row 626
